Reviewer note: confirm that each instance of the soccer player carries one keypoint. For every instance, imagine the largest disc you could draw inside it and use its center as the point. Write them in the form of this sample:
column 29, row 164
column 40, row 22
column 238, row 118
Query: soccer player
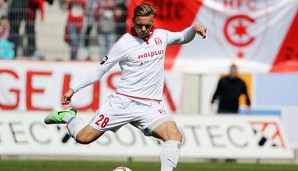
column 137, row 100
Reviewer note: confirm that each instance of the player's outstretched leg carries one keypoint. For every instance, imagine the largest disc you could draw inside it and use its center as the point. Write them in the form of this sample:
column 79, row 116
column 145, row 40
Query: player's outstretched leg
column 67, row 116
column 60, row 117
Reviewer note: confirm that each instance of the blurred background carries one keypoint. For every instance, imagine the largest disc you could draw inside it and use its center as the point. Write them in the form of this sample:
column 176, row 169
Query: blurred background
column 45, row 45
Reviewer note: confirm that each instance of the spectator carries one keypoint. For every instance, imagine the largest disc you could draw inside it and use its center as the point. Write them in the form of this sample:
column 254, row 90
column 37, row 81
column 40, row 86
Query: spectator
column 3, row 8
column 6, row 47
column 31, row 10
column 16, row 14
column 91, row 7
column 25, row 11
column 228, row 91
column 120, row 12
column 106, row 25
column 74, row 25
column 4, row 28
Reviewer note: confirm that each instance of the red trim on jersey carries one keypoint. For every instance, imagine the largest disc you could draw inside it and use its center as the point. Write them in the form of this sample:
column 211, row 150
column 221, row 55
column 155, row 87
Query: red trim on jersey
column 134, row 33
column 135, row 97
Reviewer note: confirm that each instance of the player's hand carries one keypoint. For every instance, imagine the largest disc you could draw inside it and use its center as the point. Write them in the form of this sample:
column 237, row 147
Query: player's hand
column 66, row 98
column 200, row 30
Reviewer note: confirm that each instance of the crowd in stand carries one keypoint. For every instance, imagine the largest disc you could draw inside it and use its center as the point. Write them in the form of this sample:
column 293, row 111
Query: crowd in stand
column 106, row 17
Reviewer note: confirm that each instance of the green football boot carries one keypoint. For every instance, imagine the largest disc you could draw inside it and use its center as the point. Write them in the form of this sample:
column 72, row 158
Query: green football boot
column 56, row 116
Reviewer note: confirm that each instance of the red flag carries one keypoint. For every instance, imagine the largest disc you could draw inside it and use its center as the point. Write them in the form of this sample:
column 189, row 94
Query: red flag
column 287, row 57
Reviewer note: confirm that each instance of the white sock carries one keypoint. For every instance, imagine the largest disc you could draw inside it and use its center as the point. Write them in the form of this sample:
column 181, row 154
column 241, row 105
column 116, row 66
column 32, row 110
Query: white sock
column 169, row 155
column 74, row 125
column 67, row 117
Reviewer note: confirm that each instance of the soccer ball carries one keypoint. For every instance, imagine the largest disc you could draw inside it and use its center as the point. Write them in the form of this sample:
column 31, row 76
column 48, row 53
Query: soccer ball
column 122, row 168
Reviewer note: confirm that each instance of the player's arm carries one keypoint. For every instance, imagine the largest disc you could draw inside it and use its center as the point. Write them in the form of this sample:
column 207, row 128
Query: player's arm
column 115, row 54
column 91, row 77
column 187, row 34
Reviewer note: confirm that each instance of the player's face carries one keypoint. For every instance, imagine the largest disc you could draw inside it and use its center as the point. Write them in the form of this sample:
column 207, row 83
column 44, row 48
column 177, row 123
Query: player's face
column 143, row 25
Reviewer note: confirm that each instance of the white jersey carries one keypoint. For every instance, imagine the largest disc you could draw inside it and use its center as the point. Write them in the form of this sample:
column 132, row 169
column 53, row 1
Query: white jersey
column 141, row 62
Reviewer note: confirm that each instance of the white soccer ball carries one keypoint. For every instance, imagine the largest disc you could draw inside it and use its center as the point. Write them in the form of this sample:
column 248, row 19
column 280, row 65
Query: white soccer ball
column 122, row 168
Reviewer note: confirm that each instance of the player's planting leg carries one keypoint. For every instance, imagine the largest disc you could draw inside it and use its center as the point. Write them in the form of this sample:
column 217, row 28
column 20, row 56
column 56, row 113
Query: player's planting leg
column 170, row 150
column 169, row 155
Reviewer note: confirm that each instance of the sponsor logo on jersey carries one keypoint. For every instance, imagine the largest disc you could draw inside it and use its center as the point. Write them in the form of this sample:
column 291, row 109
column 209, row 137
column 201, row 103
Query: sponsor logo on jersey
column 104, row 59
column 158, row 41
column 150, row 54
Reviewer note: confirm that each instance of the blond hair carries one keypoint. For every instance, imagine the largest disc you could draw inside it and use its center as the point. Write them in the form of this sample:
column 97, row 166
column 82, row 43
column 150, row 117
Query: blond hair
column 144, row 10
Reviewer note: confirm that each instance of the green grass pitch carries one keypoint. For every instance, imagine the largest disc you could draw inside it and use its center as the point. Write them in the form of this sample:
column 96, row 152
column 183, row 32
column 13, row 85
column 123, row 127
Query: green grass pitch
column 69, row 165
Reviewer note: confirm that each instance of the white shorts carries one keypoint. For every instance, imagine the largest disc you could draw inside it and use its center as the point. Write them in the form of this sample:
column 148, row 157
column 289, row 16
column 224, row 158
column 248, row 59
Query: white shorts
column 119, row 110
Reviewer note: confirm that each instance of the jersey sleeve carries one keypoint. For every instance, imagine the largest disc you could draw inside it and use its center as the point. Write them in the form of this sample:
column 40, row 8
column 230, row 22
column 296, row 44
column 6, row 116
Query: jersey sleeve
column 116, row 54
column 89, row 78
column 182, row 37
